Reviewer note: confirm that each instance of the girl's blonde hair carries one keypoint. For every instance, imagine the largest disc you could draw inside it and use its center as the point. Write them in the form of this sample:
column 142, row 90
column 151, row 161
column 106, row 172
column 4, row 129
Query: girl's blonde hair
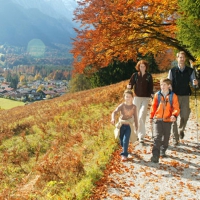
column 128, row 91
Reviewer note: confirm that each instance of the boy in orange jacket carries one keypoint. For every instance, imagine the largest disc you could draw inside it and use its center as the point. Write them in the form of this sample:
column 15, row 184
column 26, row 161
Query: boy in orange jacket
column 164, row 110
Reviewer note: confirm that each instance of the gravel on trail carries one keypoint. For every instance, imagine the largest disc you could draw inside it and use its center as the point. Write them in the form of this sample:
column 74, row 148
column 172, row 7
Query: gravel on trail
column 176, row 177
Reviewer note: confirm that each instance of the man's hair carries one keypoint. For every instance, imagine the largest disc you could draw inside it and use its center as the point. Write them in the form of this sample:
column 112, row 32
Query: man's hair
column 128, row 91
column 166, row 80
column 137, row 67
column 180, row 52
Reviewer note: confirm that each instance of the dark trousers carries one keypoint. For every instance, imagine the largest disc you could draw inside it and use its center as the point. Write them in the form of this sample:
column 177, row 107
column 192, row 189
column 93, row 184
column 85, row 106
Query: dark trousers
column 161, row 132
column 184, row 115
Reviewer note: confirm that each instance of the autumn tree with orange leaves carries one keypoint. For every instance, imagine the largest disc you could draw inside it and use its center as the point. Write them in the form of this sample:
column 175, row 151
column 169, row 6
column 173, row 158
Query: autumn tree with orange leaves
column 121, row 29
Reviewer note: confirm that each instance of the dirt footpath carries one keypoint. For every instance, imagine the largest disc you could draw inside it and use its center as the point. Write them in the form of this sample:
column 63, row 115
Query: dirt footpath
column 176, row 177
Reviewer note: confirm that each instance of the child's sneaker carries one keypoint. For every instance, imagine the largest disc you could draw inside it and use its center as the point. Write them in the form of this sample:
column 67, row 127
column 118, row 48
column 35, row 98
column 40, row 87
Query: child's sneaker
column 124, row 158
column 130, row 156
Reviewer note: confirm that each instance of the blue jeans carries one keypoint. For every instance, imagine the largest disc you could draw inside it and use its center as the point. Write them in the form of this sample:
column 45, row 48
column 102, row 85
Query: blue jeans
column 125, row 132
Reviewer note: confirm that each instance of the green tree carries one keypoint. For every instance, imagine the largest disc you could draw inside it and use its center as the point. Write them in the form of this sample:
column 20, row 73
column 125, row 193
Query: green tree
column 8, row 75
column 119, row 71
column 189, row 25
column 79, row 82
column 2, row 58
column 14, row 81
column 115, row 72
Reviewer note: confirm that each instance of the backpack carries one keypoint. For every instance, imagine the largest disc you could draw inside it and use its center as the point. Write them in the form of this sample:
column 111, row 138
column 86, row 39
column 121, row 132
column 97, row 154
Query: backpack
column 136, row 76
column 170, row 97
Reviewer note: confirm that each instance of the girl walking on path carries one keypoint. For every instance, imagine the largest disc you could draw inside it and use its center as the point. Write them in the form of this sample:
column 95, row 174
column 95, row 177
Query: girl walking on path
column 127, row 121
column 142, row 82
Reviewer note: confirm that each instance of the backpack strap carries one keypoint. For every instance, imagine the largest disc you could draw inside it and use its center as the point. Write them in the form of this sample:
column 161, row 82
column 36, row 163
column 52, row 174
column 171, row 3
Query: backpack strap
column 159, row 94
column 136, row 76
column 170, row 97
column 148, row 76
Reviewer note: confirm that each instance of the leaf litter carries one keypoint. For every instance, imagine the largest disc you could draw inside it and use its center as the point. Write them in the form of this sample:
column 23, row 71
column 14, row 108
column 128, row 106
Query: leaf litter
column 176, row 177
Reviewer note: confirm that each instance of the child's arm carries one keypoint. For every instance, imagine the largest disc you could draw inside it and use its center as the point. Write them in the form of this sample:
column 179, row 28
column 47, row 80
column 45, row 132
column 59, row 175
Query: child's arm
column 113, row 118
column 153, row 108
column 114, row 114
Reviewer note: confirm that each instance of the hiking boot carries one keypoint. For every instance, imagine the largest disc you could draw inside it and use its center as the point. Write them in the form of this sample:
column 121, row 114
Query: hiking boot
column 163, row 155
column 182, row 134
column 154, row 159
column 175, row 143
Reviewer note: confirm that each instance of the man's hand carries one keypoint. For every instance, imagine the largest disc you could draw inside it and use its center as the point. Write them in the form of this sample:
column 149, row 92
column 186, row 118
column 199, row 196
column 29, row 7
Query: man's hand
column 195, row 82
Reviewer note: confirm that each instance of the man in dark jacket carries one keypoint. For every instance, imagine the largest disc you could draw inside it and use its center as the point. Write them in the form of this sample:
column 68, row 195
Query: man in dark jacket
column 181, row 77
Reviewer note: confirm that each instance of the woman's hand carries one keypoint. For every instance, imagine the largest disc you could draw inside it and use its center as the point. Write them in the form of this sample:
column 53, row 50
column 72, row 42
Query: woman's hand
column 128, row 86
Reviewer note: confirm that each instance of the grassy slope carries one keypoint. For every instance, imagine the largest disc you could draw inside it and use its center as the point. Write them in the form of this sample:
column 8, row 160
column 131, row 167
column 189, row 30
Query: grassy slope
column 7, row 103
column 58, row 148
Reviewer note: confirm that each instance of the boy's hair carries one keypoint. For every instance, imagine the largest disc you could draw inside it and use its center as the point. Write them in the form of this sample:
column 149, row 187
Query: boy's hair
column 166, row 80
column 180, row 52
column 128, row 91
column 137, row 67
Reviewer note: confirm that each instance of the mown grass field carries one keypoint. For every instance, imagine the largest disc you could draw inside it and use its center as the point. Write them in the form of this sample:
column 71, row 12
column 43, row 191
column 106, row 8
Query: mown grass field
column 58, row 149
column 7, row 103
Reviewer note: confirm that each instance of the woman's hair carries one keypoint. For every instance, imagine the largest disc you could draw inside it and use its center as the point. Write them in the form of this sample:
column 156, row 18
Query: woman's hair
column 128, row 91
column 166, row 80
column 137, row 67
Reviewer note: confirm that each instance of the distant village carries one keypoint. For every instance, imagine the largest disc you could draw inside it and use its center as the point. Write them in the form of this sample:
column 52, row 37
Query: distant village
column 33, row 91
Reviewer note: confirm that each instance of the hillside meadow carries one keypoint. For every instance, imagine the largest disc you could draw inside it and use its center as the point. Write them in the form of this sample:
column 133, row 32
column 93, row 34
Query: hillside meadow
column 59, row 148
column 8, row 104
